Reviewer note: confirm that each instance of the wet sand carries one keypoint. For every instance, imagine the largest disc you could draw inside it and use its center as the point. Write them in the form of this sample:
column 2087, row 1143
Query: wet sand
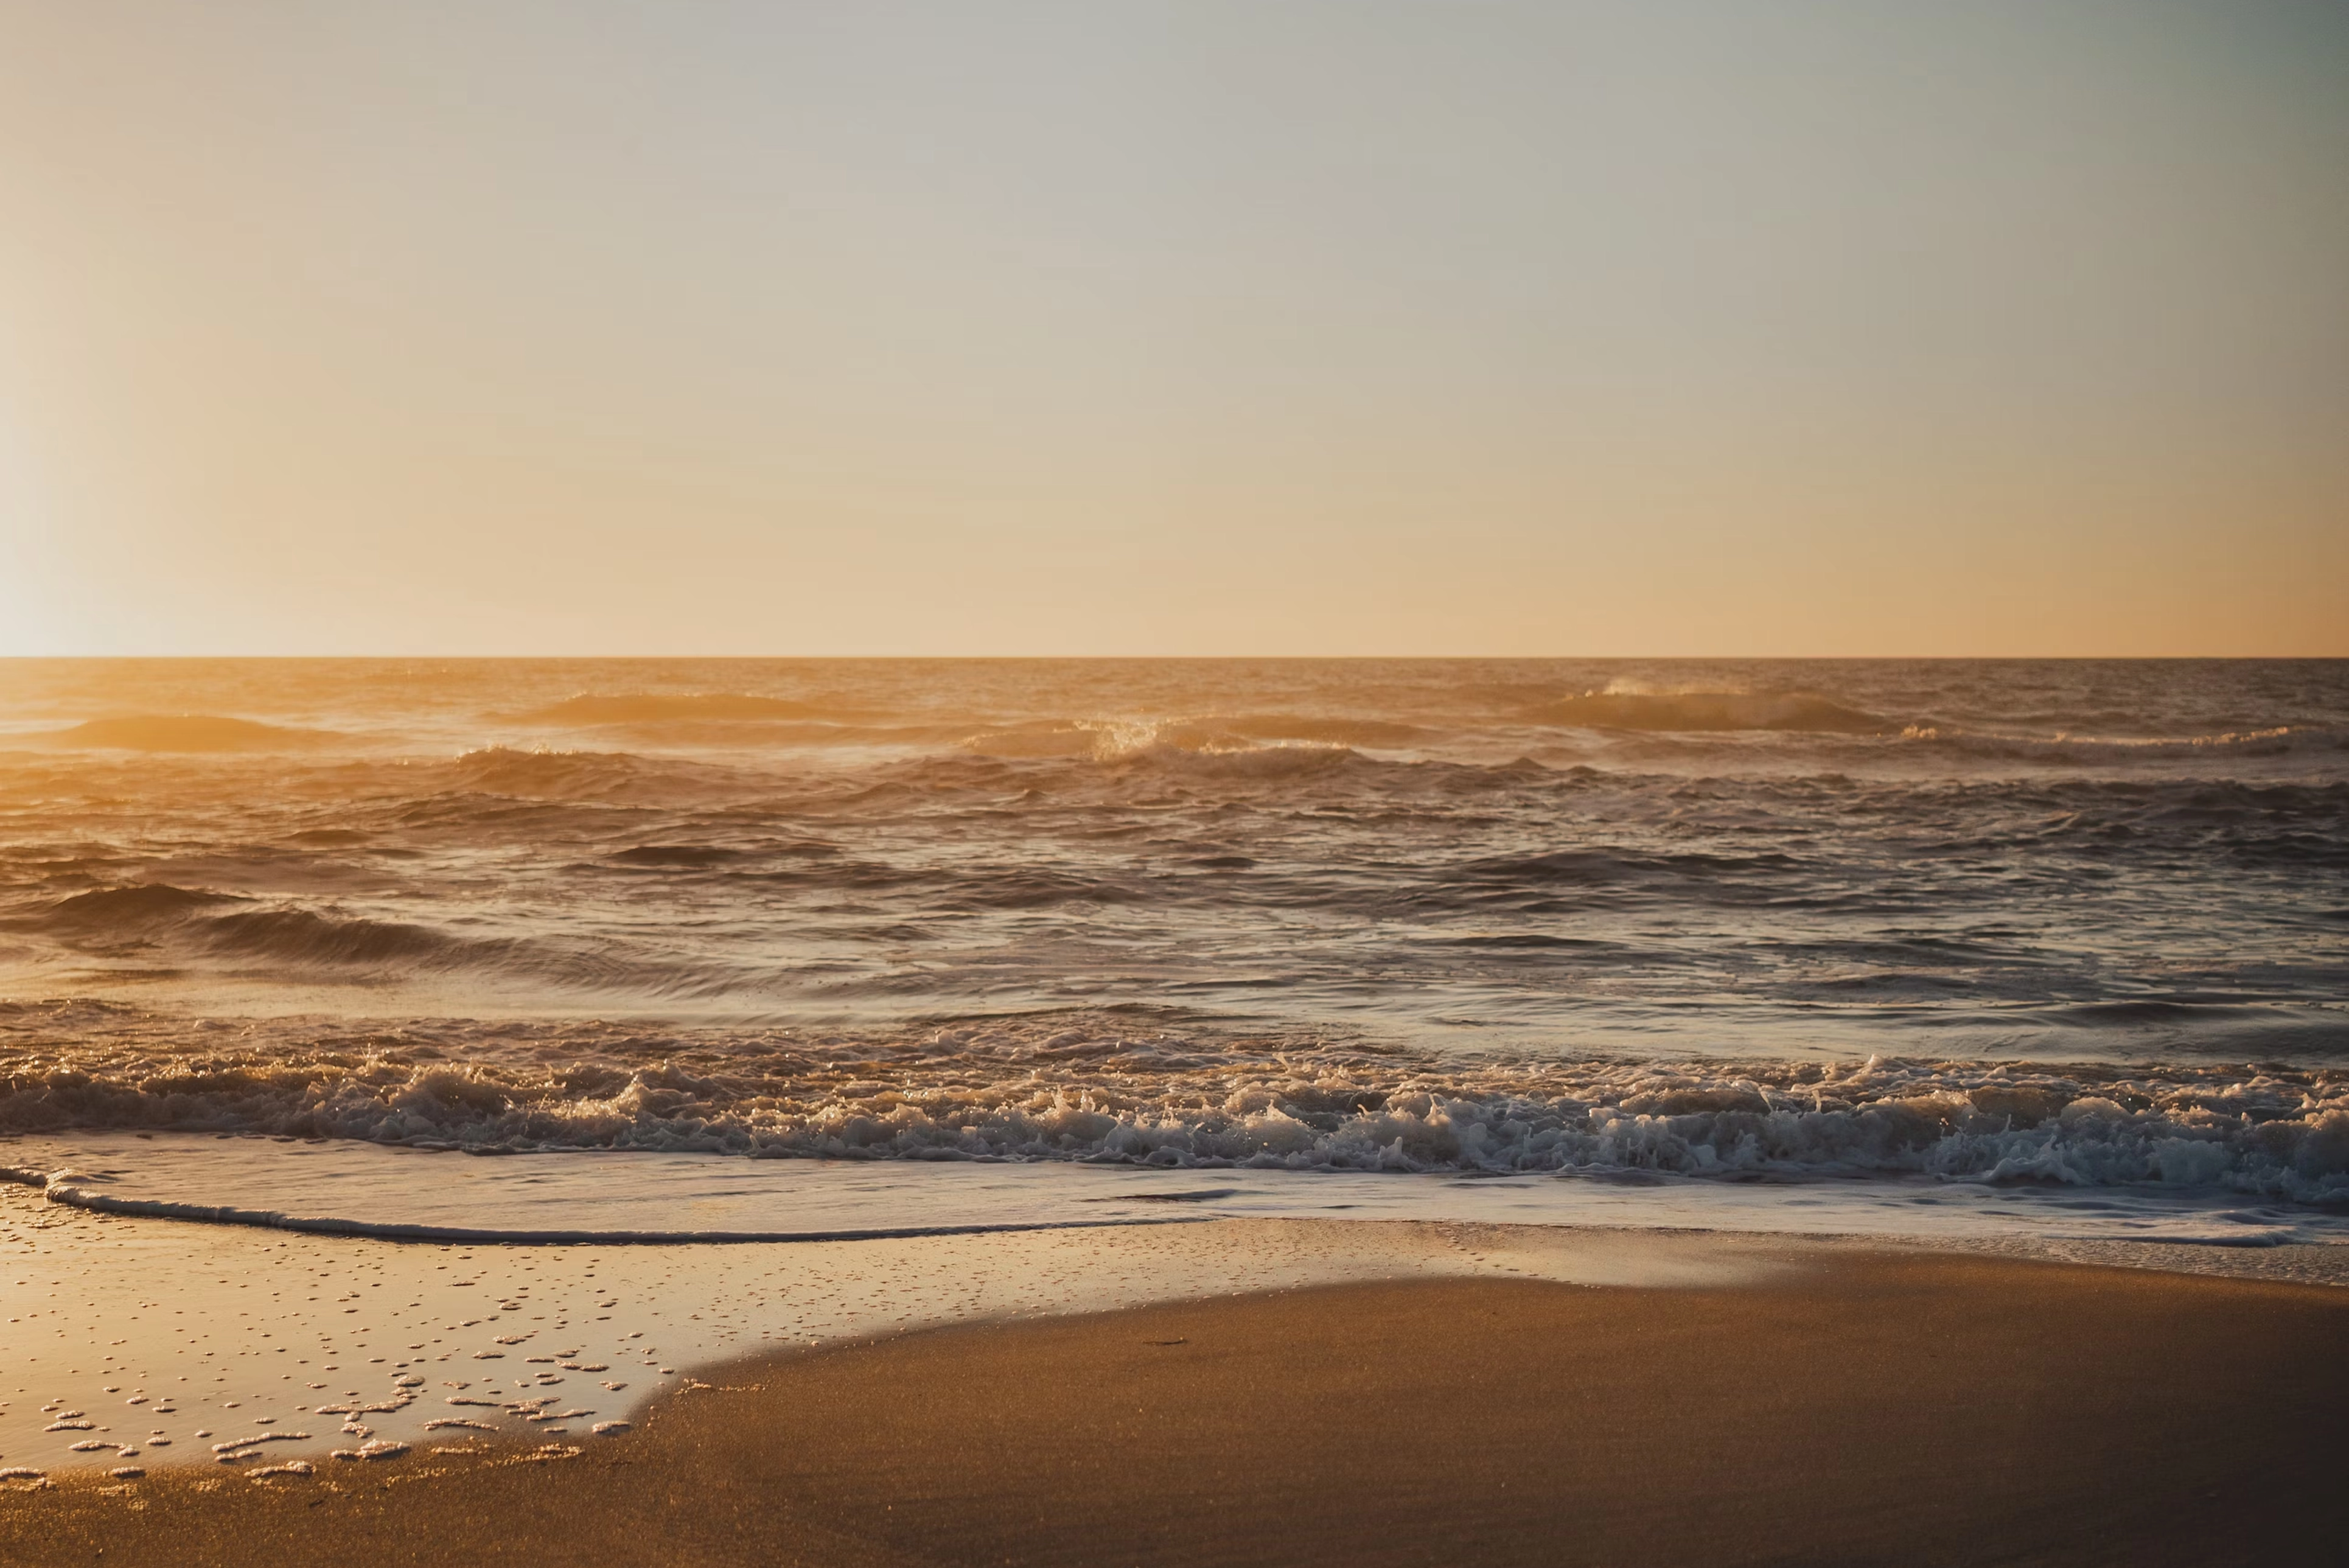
column 154, row 1343
column 1865, row 1406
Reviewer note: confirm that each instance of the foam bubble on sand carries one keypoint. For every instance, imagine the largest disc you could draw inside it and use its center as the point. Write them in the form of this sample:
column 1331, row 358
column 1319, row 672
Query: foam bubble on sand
column 609, row 1428
column 374, row 1448
column 291, row 1467
column 128, row 1472
column 447, row 1423
column 21, row 1472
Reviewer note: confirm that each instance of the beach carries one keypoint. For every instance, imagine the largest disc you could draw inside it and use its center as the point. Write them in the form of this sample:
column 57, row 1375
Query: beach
column 1237, row 1391
column 1840, row 1405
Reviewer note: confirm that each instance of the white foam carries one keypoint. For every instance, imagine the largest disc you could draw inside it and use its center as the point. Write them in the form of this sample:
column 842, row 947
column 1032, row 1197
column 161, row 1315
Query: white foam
column 374, row 1448
column 2274, row 1132
column 291, row 1467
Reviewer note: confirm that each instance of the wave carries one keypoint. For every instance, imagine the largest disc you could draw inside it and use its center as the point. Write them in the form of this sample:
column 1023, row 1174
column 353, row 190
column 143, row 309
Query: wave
column 1112, row 755
column 1038, row 1091
column 185, row 732
column 334, row 945
column 155, row 911
column 742, row 735
column 2281, row 741
column 1374, row 733
column 658, row 707
column 603, row 777
column 1797, row 712
column 125, row 911
column 675, row 857
column 1249, row 765
column 302, row 937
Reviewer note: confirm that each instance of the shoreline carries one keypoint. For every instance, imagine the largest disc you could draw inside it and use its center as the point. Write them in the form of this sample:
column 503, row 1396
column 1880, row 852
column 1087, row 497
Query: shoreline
column 269, row 1346
column 1864, row 1405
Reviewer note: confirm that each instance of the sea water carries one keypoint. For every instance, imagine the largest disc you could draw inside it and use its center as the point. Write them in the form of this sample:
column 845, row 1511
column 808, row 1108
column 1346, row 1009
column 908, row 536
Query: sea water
column 798, row 947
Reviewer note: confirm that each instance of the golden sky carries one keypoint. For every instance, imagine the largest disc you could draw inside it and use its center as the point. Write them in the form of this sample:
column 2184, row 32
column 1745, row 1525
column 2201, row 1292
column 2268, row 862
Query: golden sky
column 1201, row 326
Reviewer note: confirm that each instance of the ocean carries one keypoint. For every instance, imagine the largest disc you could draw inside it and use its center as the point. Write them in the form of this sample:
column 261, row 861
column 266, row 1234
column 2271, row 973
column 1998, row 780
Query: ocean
column 805, row 947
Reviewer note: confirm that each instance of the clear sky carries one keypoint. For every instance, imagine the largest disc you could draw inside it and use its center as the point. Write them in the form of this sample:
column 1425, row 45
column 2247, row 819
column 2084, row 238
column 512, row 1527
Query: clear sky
column 1269, row 326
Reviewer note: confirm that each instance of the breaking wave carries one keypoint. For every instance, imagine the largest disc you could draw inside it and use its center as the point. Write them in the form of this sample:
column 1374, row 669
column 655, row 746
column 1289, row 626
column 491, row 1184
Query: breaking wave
column 1028, row 1090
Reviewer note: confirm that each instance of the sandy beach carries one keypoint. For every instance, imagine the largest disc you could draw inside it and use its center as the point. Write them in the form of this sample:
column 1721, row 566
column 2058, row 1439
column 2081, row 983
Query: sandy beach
column 1802, row 1403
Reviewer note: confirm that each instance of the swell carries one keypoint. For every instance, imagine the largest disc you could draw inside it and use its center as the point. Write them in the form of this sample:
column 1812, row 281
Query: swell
column 336, row 945
column 185, row 732
column 1173, row 739
column 603, row 777
column 660, row 707
column 1033, row 1092
column 120, row 912
column 2064, row 748
column 1797, row 711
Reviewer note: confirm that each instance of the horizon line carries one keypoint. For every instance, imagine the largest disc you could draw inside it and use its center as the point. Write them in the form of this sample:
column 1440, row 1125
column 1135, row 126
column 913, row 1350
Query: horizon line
column 1182, row 659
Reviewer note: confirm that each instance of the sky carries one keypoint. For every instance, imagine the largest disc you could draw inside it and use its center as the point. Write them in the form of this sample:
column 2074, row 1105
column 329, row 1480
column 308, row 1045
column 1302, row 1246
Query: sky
column 1099, row 327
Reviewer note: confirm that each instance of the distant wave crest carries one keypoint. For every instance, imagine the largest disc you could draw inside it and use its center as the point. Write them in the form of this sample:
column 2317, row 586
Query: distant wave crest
column 659, row 708
column 2090, row 750
column 1797, row 712
column 616, row 777
column 186, row 732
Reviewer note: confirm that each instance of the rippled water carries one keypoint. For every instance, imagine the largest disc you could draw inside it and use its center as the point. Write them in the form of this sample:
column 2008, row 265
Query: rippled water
column 1999, row 922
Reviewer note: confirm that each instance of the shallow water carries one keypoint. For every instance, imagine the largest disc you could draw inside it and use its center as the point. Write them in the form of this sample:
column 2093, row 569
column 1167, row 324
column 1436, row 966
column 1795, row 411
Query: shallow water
column 1994, row 926
column 341, row 1188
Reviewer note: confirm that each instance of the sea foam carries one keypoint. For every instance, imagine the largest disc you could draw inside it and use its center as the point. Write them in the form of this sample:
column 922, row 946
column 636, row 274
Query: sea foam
column 1017, row 1092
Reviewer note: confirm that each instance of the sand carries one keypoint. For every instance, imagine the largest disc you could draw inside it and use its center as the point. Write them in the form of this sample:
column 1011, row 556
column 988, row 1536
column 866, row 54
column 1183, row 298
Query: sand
column 158, row 1343
column 1828, row 1406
